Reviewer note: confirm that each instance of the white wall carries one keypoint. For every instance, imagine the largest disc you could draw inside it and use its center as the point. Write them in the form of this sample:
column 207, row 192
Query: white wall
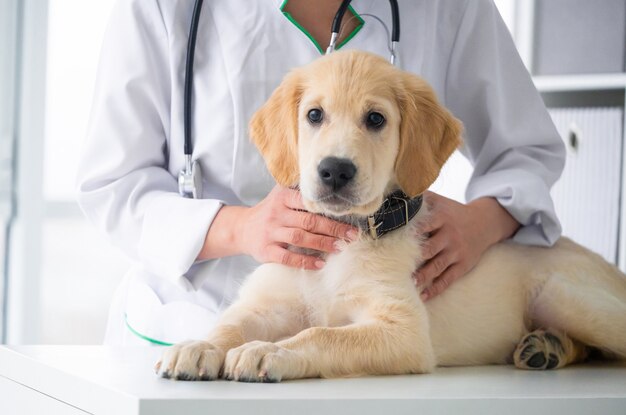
column 80, row 269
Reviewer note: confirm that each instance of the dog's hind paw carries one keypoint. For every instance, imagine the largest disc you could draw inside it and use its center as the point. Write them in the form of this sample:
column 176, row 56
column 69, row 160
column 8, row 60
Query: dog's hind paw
column 544, row 350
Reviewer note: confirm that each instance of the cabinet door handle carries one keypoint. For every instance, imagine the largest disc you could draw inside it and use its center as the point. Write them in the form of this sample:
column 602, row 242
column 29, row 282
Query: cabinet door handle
column 574, row 136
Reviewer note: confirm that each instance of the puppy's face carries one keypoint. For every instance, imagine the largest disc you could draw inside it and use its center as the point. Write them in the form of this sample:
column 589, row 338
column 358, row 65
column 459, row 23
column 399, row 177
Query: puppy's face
column 349, row 129
column 348, row 141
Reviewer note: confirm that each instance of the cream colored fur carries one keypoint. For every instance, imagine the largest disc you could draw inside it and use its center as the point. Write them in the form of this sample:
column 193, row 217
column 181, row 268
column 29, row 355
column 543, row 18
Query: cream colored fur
column 361, row 314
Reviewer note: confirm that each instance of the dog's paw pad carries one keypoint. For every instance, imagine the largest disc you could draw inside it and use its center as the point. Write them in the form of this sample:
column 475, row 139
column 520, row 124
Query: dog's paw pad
column 540, row 350
column 537, row 361
column 553, row 361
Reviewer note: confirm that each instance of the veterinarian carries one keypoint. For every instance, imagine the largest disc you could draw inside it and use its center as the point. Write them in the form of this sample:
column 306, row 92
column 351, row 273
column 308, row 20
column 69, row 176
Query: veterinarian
column 190, row 255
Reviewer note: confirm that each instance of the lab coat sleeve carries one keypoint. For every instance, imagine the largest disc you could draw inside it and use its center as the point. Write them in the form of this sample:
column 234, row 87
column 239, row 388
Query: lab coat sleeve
column 509, row 136
column 124, row 186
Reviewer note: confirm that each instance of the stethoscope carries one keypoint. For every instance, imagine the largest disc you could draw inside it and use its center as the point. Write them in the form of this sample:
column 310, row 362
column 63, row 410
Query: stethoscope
column 190, row 177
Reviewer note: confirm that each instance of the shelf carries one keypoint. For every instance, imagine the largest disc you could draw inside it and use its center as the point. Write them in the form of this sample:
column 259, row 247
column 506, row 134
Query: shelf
column 561, row 83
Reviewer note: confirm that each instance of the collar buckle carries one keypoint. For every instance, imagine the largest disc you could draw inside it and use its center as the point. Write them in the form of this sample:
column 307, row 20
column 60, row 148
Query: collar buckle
column 373, row 226
column 406, row 209
column 391, row 215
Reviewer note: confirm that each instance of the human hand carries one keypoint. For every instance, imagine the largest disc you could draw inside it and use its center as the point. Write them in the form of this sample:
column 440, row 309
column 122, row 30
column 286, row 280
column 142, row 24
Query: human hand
column 458, row 236
column 265, row 230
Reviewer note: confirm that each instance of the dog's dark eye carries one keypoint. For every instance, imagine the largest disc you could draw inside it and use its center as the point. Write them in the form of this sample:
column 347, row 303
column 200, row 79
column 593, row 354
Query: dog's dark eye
column 315, row 116
column 375, row 120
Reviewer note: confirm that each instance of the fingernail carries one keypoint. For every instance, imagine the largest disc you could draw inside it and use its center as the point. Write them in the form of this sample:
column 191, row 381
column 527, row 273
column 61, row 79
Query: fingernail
column 337, row 245
column 418, row 279
column 319, row 264
column 352, row 235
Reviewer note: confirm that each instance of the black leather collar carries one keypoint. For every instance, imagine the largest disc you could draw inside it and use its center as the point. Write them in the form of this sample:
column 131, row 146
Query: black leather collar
column 395, row 212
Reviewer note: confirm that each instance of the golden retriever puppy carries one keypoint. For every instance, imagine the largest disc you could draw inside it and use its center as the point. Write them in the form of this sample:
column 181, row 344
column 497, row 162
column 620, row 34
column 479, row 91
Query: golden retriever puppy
column 350, row 129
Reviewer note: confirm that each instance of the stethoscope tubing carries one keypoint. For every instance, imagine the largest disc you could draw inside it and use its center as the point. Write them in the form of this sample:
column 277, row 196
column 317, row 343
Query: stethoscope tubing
column 336, row 26
column 191, row 49
column 395, row 18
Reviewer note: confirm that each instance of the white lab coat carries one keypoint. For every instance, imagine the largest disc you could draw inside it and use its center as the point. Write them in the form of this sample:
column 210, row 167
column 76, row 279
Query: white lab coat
column 134, row 147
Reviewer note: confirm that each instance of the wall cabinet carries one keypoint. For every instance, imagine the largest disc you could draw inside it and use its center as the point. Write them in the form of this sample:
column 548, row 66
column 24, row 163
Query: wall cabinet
column 587, row 104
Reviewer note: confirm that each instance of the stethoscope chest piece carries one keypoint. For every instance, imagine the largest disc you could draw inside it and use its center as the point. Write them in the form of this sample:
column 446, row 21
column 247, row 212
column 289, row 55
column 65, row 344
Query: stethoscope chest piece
column 190, row 180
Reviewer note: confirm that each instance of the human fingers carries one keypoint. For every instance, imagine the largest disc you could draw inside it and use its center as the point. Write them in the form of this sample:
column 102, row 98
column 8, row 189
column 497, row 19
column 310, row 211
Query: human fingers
column 432, row 198
column 430, row 226
column 310, row 222
column 283, row 256
column 436, row 214
column 433, row 245
column 440, row 284
column 292, row 199
column 300, row 237
column 320, row 225
column 433, row 268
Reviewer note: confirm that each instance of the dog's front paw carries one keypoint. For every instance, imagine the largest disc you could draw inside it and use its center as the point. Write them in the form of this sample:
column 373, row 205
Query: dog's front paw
column 191, row 360
column 260, row 361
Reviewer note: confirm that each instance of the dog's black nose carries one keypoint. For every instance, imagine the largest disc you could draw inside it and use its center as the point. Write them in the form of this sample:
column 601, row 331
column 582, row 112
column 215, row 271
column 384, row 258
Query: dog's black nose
column 335, row 172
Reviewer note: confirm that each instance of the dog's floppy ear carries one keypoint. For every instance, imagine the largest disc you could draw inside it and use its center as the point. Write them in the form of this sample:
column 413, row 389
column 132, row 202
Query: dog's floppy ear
column 429, row 134
column 274, row 130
